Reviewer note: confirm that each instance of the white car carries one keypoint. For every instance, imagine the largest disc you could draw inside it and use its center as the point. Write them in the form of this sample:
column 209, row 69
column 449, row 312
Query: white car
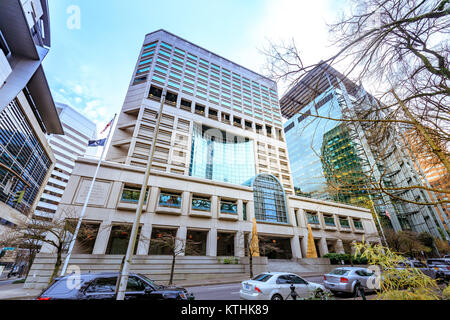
column 277, row 286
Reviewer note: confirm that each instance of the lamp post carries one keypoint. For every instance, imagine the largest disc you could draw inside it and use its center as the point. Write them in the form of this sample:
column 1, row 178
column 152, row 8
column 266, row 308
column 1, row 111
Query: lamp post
column 132, row 243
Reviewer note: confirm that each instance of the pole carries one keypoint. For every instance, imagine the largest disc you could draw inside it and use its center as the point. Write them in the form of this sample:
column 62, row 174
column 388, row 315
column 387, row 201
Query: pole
column 378, row 220
column 83, row 210
column 132, row 243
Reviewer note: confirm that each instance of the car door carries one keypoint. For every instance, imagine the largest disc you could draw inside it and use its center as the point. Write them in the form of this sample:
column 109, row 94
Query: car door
column 135, row 289
column 362, row 277
column 284, row 285
column 101, row 289
column 301, row 286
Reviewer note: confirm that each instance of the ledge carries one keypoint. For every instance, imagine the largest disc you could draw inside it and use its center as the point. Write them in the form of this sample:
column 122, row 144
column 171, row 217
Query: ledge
column 228, row 216
column 331, row 228
column 359, row 231
column 168, row 210
column 349, row 230
column 200, row 214
column 315, row 226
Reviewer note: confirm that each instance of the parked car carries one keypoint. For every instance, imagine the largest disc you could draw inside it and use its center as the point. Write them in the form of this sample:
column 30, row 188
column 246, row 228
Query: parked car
column 348, row 280
column 442, row 267
column 432, row 273
column 102, row 286
column 276, row 286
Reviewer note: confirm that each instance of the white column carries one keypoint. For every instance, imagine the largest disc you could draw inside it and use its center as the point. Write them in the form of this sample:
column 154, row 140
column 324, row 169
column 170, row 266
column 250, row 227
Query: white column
column 144, row 239
column 181, row 234
column 240, row 209
column 215, row 207
column 211, row 243
column 304, row 245
column 239, row 244
column 101, row 242
column 323, row 246
column 295, row 247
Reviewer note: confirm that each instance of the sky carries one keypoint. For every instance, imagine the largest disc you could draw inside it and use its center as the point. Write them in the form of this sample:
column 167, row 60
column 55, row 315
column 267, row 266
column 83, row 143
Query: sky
column 95, row 44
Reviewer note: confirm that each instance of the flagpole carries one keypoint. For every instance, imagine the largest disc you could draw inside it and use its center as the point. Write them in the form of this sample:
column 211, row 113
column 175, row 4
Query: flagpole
column 77, row 229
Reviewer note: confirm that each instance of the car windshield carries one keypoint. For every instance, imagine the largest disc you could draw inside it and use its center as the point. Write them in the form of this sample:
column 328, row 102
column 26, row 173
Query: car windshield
column 339, row 272
column 262, row 277
column 150, row 281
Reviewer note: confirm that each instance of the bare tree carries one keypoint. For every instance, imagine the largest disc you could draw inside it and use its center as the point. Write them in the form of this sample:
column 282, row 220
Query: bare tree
column 33, row 233
column 402, row 47
column 265, row 246
column 176, row 246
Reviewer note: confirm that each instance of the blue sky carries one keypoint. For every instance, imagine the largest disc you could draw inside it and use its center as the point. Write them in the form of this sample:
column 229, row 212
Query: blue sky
column 90, row 67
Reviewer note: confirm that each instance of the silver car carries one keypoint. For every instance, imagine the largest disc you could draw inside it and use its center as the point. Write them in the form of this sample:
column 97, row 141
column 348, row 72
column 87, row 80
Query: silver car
column 348, row 279
column 277, row 286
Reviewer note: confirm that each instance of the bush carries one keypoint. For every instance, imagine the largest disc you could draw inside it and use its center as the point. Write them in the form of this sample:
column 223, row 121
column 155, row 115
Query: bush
column 337, row 258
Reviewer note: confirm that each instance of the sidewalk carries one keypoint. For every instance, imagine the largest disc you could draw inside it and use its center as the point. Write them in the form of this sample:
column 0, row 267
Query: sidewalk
column 17, row 292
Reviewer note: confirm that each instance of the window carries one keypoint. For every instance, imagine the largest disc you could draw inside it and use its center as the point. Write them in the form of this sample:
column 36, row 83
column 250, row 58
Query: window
column 262, row 277
column 199, row 109
column 201, row 203
column 135, row 285
column 237, row 122
column 344, row 223
column 244, row 211
column 131, row 194
column 186, row 105
column 329, row 220
column 270, row 199
column 103, row 285
column 213, row 114
column 228, row 206
column 155, row 93
column 167, row 199
column 171, row 98
column 358, row 224
column 313, row 218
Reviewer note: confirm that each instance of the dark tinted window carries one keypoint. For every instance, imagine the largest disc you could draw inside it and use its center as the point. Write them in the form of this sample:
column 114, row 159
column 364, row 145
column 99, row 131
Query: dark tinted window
column 103, row 285
column 339, row 272
column 262, row 277
column 284, row 279
column 59, row 288
column 298, row 280
column 418, row 264
column 135, row 284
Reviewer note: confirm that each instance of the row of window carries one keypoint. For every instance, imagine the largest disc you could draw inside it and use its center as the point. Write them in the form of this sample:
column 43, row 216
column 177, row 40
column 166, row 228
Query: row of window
column 329, row 220
column 173, row 200
column 155, row 93
column 230, row 96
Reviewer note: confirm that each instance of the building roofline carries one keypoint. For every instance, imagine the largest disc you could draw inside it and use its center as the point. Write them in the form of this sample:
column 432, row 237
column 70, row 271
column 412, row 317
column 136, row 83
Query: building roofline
column 256, row 73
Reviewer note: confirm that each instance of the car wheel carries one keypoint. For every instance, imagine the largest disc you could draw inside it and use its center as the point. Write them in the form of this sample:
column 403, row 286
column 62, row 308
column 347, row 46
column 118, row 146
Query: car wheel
column 276, row 296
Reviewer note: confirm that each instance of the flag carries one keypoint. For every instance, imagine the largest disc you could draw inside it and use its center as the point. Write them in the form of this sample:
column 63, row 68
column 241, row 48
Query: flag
column 388, row 215
column 107, row 126
column 97, row 143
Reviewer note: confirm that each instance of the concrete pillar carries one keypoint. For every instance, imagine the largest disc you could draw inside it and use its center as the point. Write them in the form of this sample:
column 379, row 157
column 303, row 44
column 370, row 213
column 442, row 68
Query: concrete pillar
column 181, row 234
column 185, row 203
column 101, row 242
column 295, row 247
column 153, row 199
column 250, row 211
column 292, row 218
column 323, row 246
column 339, row 246
column 211, row 243
column 239, row 244
column 240, row 209
column 143, row 244
column 215, row 207
column 304, row 245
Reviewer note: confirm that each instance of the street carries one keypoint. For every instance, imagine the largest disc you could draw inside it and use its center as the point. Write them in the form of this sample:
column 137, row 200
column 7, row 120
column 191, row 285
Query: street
column 231, row 291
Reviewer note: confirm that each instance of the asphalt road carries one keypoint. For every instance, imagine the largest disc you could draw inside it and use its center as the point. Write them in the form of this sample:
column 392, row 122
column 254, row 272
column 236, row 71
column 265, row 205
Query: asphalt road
column 231, row 291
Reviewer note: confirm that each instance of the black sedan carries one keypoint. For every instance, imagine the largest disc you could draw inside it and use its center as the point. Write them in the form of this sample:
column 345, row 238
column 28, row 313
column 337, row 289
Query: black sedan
column 102, row 286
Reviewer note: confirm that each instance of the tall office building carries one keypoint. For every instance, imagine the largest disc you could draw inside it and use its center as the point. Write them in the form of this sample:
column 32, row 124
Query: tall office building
column 78, row 130
column 220, row 161
column 27, row 110
column 208, row 90
column 329, row 158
